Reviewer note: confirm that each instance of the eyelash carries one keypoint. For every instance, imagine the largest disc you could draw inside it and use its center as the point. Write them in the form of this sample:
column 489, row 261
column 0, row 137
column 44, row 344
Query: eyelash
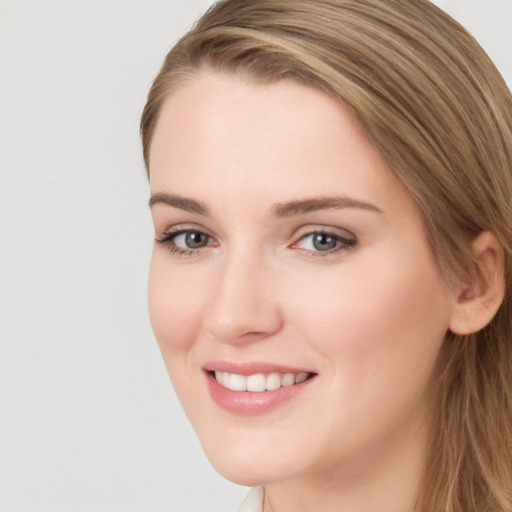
column 343, row 243
column 168, row 241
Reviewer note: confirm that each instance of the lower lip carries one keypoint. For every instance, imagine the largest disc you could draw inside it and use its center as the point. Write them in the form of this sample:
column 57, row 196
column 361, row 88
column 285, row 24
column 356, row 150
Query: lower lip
column 247, row 403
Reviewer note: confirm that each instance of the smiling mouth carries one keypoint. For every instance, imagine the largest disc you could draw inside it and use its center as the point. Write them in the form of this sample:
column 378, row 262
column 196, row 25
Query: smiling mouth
column 259, row 382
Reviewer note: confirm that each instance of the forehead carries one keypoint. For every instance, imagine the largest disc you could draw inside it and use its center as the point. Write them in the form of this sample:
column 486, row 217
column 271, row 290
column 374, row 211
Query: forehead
column 271, row 139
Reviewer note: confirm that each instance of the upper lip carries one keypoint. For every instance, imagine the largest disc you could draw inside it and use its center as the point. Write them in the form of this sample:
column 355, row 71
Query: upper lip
column 250, row 368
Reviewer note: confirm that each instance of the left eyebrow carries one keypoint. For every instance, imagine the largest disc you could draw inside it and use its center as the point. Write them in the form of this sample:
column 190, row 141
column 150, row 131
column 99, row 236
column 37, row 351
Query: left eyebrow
column 302, row 206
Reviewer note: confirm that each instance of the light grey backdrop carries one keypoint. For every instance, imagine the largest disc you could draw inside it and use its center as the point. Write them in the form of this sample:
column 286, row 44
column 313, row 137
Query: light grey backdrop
column 88, row 418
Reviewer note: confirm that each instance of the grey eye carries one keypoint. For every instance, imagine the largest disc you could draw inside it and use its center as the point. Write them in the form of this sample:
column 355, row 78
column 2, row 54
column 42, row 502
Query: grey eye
column 324, row 242
column 191, row 240
column 328, row 243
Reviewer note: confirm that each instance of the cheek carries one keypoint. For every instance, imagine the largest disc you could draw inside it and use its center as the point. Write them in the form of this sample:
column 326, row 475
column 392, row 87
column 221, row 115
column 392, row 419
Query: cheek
column 175, row 306
column 378, row 332
column 175, row 310
column 383, row 321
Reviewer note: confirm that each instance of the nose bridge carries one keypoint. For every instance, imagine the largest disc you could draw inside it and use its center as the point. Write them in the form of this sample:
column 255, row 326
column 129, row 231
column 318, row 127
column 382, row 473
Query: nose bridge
column 241, row 305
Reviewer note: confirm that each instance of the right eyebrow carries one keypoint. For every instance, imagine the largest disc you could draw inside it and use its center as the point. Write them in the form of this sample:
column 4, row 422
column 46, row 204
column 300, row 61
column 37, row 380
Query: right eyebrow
column 183, row 203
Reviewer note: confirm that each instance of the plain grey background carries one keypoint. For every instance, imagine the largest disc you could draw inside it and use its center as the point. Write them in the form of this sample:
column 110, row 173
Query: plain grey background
column 88, row 419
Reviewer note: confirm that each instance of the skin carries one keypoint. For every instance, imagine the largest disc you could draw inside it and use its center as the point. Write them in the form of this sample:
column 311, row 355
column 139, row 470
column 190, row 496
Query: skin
column 368, row 318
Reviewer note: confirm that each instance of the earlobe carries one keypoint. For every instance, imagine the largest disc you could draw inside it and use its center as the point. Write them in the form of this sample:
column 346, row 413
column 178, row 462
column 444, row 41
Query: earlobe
column 479, row 299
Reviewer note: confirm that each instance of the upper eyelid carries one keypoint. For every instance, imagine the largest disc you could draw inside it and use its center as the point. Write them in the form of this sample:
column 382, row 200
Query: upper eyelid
column 167, row 239
column 181, row 228
column 330, row 230
column 169, row 236
column 346, row 241
column 327, row 233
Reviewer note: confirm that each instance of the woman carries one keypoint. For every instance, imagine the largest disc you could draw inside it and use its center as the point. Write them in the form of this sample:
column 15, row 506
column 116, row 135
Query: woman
column 331, row 283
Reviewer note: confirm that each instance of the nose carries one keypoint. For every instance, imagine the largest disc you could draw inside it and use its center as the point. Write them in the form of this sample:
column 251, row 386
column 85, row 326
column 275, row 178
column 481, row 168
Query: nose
column 242, row 307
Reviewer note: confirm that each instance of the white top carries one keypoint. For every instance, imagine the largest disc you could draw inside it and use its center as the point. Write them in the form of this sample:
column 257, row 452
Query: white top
column 254, row 501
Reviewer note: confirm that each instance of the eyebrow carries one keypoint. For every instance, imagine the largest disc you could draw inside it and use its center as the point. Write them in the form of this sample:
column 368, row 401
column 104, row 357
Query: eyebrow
column 302, row 206
column 183, row 203
column 278, row 210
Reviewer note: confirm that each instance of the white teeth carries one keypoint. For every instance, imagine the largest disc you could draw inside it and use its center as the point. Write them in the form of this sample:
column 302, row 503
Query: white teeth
column 258, row 382
column 219, row 377
column 273, row 381
column 288, row 379
column 237, row 382
column 301, row 377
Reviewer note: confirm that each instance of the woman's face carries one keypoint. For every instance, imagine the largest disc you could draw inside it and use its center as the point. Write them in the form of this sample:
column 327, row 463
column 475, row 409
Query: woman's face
column 286, row 250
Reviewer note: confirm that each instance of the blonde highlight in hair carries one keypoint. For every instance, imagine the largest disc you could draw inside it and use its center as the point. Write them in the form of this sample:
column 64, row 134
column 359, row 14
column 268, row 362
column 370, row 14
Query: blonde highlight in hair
column 435, row 106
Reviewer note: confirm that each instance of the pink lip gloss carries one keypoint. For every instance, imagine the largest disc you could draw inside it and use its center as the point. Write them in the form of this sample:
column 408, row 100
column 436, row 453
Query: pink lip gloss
column 289, row 382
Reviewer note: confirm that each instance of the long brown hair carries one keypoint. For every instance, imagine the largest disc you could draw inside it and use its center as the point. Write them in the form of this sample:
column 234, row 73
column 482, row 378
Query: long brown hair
column 435, row 106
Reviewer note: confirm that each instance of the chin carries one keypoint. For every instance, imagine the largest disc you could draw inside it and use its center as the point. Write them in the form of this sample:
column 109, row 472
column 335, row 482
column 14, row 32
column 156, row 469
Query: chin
column 247, row 477
column 249, row 467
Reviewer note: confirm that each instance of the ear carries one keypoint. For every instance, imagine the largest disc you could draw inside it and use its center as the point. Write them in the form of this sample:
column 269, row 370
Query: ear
column 479, row 299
